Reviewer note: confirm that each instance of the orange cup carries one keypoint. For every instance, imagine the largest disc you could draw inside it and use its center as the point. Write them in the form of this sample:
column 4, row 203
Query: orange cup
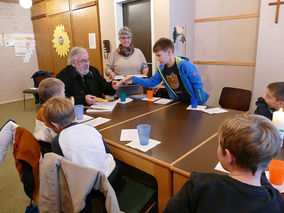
column 276, row 172
column 149, row 94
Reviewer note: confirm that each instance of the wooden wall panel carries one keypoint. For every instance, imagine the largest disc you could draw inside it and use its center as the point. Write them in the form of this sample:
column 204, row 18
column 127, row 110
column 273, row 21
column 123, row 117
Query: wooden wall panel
column 64, row 19
column 36, row 1
column 76, row 4
column 38, row 9
column 43, row 45
column 85, row 21
column 57, row 6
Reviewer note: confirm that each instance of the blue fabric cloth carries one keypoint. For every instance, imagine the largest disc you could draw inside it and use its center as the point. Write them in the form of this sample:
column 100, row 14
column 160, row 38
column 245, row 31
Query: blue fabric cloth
column 191, row 79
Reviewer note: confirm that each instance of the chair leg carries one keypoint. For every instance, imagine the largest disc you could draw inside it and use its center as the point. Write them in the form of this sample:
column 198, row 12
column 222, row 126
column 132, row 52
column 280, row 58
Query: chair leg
column 24, row 101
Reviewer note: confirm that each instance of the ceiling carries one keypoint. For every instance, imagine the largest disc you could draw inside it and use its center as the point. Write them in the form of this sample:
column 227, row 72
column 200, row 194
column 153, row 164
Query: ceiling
column 10, row 1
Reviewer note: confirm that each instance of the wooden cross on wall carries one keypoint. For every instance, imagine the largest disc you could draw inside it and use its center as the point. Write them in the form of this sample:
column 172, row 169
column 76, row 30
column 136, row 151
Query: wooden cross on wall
column 277, row 8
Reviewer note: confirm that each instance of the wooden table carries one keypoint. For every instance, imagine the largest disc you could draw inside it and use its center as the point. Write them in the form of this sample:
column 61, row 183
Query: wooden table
column 178, row 129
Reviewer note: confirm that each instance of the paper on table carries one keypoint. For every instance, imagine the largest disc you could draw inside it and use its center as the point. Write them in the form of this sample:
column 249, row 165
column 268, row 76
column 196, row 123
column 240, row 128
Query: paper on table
column 219, row 167
column 199, row 108
column 85, row 118
column 129, row 135
column 128, row 100
column 163, row 101
column 106, row 106
column 119, row 77
column 97, row 121
column 136, row 144
column 215, row 110
column 152, row 99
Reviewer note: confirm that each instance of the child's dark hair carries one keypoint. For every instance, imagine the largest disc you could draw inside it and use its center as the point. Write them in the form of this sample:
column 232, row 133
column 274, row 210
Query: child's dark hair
column 163, row 44
column 277, row 88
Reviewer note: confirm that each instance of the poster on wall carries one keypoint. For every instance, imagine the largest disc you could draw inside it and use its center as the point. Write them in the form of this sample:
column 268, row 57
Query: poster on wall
column 9, row 40
column 92, row 41
column 1, row 40
column 24, row 46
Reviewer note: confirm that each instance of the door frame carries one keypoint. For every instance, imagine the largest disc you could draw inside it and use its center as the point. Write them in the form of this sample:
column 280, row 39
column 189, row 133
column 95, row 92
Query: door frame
column 118, row 19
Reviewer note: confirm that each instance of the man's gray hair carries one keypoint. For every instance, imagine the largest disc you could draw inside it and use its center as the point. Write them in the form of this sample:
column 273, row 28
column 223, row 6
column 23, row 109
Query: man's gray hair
column 73, row 53
column 125, row 31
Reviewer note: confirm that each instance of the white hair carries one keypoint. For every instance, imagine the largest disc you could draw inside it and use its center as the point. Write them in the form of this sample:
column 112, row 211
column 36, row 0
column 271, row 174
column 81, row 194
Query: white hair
column 74, row 52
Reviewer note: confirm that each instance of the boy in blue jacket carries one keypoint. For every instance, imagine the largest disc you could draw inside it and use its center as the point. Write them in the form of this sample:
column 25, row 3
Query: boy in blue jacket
column 180, row 77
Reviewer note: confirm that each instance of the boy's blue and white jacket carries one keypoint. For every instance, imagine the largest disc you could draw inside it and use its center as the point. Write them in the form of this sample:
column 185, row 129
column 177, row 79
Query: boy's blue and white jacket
column 191, row 80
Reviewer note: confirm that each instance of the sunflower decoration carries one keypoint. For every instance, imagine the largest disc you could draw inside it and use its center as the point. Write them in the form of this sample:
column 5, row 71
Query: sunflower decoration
column 61, row 41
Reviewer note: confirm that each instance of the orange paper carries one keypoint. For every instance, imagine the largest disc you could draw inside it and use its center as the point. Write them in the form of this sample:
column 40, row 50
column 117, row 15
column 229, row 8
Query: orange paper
column 276, row 172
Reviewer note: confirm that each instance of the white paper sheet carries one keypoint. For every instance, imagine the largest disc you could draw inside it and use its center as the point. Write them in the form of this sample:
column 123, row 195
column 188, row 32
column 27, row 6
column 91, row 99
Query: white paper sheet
column 215, row 110
column 136, row 144
column 129, row 135
column 106, row 106
column 163, row 101
column 1, row 40
column 152, row 99
column 92, row 41
column 119, row 77
column 127, row 100
column 97, row 121
column 199, row 108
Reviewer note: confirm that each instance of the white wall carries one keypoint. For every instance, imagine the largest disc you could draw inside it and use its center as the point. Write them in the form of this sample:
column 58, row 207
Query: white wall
column 270, row 59
column 182, row 12
column 229, row 41
column 15, row 74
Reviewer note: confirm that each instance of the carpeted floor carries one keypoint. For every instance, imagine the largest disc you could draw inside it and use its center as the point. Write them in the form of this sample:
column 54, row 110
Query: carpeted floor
column 12, row 195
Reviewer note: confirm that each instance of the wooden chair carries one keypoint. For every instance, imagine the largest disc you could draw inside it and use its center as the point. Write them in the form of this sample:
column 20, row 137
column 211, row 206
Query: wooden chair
column 235, row 98
column 37, row 77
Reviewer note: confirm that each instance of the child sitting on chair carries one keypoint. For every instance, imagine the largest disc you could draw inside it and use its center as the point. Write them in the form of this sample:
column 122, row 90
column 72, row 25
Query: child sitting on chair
column 247, row 143
column 272, row 100
column 79, row 143
column 48, row 88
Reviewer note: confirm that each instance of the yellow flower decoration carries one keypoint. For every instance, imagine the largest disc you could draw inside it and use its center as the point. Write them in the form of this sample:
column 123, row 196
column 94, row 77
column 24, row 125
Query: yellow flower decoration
column 61, row 41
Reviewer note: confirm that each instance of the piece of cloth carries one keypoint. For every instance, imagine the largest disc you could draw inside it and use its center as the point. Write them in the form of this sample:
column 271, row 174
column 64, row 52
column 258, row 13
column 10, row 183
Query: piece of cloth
column 65, row 185
column 175, row 82
column 208, row 192
column 263, row 109
column 125, row 51
column 27, row 150
column 43, row 131
column 75, row 85
column 7, row 135
column 84, row 145
column 131, row 65
column 189, row 76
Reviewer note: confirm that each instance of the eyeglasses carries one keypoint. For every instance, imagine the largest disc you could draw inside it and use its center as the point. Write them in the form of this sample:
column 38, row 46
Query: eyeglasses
column 83, row 61
column 125, row 37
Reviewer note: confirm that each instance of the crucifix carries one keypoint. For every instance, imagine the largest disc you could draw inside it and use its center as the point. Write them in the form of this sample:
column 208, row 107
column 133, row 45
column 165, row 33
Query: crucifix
column 277, row 8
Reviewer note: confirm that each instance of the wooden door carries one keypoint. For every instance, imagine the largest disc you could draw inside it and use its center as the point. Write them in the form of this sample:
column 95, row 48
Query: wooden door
column 137, row 16
column 85, row 21
column 64, row 18
column 43, row 44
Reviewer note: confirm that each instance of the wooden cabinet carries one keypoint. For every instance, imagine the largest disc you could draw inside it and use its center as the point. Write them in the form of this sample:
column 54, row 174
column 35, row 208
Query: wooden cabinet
column 78, row 22
column 57, row 6
column 82, row 25
column 64, row 19
column 43, row 44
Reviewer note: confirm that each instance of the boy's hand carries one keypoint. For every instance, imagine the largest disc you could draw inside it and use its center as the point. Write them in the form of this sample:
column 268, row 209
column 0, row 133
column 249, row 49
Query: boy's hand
column 115, row 84
column 90, row 99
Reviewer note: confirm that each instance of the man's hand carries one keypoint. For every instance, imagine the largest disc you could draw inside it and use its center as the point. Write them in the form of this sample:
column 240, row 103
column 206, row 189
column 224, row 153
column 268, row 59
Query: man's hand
column 111, row 74
column 90, row 99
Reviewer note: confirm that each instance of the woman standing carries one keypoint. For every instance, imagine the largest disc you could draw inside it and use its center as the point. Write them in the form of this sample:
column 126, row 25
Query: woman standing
column 126, row 59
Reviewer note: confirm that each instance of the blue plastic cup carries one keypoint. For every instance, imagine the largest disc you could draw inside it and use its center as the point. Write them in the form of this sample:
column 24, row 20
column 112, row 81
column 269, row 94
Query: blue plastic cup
column 193, row 102
column 79, row 111
column 122, row 96
column 144, row 133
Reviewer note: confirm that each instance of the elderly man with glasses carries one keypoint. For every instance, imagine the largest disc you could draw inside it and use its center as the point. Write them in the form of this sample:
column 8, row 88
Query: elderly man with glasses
column 83, row 81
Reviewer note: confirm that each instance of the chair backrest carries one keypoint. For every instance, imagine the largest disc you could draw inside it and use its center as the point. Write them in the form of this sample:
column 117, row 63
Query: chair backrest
column 235, row 98
column 39, row 76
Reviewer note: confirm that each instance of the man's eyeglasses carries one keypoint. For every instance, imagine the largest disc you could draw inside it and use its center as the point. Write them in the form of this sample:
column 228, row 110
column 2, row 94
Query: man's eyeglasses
column 83, row 61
